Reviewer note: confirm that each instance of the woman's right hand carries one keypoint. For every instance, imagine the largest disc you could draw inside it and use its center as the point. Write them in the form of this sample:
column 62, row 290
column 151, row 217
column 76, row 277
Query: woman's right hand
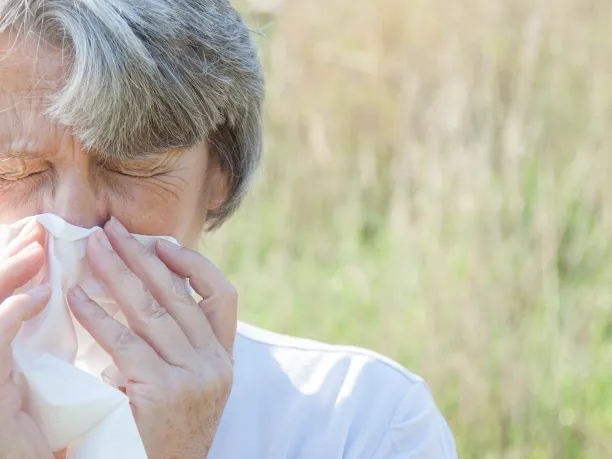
column 20, row 261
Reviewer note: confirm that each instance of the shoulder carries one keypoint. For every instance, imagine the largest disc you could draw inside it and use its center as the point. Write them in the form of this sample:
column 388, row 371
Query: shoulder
column 287, row 348
column 370, row 404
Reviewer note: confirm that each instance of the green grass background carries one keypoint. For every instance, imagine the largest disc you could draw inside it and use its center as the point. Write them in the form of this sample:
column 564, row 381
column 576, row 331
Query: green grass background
column 437, row 187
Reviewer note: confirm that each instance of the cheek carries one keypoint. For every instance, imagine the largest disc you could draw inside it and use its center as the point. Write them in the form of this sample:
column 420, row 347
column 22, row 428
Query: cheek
column 155, row 207
column 21, row 199
column 150, row 208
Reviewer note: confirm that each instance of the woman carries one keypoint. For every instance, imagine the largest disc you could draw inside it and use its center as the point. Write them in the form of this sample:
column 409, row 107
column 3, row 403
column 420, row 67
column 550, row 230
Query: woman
column 145, row 117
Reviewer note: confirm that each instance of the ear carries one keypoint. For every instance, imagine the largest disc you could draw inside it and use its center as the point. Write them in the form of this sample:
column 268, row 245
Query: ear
column 217, row 183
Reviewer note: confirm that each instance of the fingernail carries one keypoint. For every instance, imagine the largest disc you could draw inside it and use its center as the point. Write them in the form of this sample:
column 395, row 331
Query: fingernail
column 164, row 244
column 40, row 292
column 118, row 227
column 111, row 375
column 101, row 238
column 107, row 380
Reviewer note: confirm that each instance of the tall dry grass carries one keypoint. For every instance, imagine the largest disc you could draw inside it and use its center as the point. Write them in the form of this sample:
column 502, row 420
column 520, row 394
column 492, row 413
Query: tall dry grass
column 437, row 187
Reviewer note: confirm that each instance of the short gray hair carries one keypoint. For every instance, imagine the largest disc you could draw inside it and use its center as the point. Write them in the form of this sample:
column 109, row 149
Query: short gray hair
column 152, row 75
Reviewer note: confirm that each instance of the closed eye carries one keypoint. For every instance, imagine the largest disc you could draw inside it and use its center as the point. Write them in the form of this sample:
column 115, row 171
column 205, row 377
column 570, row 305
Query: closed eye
column 132, row 173
column 14, row 169
column 139, row 168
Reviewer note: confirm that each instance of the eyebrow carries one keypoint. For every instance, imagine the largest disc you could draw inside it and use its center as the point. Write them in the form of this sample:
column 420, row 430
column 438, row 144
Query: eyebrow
column 24, row 130
column 41, row 137
column 145, row 162
column 9, row 150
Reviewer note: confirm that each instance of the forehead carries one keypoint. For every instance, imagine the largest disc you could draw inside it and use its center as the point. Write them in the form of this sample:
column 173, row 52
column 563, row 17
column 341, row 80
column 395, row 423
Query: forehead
column 30, row 64
column 30, row 72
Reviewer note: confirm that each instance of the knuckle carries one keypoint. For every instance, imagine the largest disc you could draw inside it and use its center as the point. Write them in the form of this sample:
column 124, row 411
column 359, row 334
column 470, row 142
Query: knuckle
column 179, row 290
column 221, row 368
column 153, row 310
column 215, row 374
column 141, row 250
column 122, row 269
column 97, row 313
column 230, row 292
column 126, row 338
column 212, row 386
column 226, row 374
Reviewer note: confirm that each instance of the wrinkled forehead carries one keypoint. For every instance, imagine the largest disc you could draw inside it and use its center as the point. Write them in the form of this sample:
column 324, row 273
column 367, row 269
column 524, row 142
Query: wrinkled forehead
column 41, row 95
column 30, row 64
column 30, row 72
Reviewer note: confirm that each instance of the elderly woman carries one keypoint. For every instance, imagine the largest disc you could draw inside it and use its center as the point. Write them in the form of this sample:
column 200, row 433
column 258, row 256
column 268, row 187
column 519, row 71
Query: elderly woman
column 145, row 117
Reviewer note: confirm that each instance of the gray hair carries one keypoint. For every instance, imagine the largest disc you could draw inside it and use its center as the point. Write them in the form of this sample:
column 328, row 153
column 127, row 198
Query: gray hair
column 152, row 75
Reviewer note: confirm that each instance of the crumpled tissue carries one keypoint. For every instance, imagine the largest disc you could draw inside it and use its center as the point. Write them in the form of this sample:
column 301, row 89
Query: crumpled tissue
column 59, row 365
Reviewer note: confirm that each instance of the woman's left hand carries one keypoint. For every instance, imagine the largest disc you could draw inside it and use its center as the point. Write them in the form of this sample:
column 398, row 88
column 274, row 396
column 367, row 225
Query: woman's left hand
column 176, row 354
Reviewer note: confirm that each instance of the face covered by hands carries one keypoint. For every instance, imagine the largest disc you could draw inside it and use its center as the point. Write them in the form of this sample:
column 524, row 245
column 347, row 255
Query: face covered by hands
column 175, row 353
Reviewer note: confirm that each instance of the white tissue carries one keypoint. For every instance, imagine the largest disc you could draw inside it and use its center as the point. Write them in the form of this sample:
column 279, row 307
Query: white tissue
column 60, row 365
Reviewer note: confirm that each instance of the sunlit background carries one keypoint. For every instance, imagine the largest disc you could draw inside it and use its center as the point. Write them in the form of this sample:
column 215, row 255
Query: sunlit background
column 437, row 186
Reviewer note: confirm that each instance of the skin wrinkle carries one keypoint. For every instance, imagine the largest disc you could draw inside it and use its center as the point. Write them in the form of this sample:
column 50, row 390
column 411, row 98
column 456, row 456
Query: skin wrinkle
column 111, row 185
column 17, row 125
column 146, row 166
column 137, row 76
column 110, row 104
column 44, row 168
column 15, row 168
column 34, row 185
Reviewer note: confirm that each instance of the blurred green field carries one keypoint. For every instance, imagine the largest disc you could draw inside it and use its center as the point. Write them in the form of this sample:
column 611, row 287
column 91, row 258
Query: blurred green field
column 438, row 187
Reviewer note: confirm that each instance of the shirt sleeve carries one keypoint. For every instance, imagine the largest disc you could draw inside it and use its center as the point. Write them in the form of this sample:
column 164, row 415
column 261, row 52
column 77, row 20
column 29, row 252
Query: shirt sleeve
column 417, row 430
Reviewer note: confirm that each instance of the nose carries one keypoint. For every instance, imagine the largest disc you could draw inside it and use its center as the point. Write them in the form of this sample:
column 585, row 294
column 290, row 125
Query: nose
column 75, row 198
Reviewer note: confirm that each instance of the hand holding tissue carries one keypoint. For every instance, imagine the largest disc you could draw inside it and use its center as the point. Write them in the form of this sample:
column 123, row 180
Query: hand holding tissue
column 59, row 366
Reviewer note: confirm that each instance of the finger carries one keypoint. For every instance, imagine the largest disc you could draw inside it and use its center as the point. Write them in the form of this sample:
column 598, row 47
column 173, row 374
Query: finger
column 33, row 231
column 21, row 268
column 168, row 289
column 132, row 355
column 13, row 312
column 220, row 299
column 203, row 276
column 223, row 319
column 144, row 314
column 30, row 446
column 10, row 401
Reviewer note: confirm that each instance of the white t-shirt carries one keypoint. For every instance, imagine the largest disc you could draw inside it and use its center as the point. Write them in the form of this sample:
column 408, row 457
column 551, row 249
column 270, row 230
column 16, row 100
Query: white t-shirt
column 299, row 399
